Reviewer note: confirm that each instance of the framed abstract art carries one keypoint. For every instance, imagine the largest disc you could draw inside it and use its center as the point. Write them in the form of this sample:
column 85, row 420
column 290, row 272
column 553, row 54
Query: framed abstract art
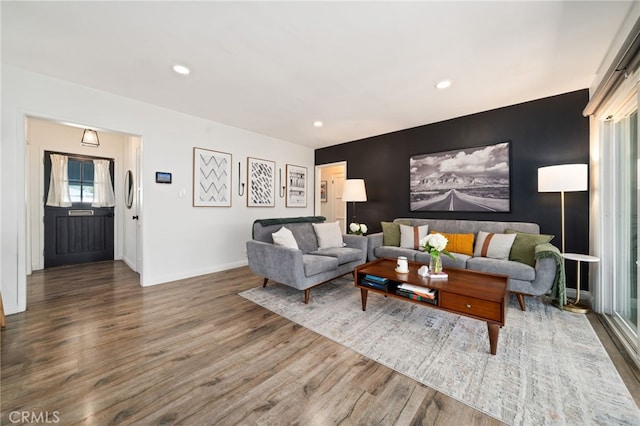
column 261, row 181
column 296, row 186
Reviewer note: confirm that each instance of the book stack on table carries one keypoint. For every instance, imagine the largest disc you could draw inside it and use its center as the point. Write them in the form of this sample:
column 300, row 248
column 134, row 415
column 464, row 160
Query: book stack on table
column 415, row 292
column 372, row 281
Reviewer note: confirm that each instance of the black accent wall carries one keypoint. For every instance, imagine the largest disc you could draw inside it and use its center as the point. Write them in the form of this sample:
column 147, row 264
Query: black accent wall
column 543, row 132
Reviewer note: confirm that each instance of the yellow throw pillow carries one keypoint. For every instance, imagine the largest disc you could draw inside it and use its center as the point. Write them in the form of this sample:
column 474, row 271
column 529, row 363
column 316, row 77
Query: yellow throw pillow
column 458, row 243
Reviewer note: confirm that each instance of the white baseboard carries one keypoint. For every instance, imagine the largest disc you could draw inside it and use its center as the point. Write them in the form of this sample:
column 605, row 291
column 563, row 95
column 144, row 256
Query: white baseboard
column 193, row 273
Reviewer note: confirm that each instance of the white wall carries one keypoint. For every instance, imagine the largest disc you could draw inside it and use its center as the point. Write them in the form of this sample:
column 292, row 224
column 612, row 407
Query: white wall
column 614, row 49
column 178, row 240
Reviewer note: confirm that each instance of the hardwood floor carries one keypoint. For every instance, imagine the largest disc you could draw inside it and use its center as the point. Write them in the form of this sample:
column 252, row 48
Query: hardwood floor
column 628, row 370
column 96, row 348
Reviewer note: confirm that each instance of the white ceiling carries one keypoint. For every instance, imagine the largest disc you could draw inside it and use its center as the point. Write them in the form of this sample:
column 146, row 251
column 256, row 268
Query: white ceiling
column 363, row 68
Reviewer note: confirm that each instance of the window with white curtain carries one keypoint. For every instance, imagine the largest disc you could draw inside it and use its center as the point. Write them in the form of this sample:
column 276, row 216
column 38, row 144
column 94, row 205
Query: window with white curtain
column 80, row 182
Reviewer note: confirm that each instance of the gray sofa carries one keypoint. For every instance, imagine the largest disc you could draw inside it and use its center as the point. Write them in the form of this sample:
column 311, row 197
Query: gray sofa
column 307, row 266
column 525, row 280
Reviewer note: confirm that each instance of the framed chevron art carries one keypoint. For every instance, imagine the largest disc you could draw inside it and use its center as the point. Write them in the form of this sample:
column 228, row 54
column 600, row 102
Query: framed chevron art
column 211, row 178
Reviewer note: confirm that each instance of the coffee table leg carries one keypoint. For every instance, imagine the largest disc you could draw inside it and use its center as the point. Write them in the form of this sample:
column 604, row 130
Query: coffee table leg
column 363, row 296
column 494, row 331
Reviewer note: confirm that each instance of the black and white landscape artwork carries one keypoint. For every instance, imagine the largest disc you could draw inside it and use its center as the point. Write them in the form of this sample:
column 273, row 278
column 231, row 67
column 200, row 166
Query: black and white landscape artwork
column 472, row 179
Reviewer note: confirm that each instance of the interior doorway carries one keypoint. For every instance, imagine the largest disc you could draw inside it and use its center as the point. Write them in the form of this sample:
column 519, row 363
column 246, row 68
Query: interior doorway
column 329, row 184
column 124, row 150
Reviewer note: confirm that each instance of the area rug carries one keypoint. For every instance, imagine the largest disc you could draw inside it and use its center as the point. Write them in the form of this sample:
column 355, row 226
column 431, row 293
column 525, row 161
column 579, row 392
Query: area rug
column 550, row 367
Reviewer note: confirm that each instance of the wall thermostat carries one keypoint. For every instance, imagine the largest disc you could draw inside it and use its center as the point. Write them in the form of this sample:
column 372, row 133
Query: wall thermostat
column 163, row 177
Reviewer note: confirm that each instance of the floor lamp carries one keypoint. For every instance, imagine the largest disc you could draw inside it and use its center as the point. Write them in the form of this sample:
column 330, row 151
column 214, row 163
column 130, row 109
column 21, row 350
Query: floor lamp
column 567, row 178
column 354, row 190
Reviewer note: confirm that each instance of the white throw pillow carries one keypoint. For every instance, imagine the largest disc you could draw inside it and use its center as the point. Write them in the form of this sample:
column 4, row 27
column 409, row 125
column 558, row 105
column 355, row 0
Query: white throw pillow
column 284, row 238
column 495, row 246
column 410, row 236
column 328, row 235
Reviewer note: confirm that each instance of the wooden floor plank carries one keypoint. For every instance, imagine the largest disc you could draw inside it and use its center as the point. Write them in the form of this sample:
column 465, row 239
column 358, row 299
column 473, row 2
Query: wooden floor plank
column 98, row 348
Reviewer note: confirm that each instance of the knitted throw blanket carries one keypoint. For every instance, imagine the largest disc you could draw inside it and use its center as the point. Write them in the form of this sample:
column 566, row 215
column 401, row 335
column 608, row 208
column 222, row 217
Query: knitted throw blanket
column 559, row 287
column 283, row 220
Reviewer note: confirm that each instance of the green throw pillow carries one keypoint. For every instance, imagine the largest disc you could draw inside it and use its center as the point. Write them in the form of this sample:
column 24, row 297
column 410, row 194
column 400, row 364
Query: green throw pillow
column 523, row 248
column 391, row 233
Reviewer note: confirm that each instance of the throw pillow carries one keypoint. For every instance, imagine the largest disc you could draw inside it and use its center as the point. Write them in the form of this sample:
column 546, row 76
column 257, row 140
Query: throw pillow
column 458, row 243
column 284, row 238
column 410, row 236
column 391, row 233
column 524, row 246
column 495, row 246
column 328, row 235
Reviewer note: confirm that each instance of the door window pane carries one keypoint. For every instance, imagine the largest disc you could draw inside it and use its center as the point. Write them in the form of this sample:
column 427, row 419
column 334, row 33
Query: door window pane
column 80, row 180
column 74, row 170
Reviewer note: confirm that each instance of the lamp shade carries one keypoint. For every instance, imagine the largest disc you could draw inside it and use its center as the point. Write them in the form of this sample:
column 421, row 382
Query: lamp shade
column 563, row 178
column 90, row 138
column 354, row 190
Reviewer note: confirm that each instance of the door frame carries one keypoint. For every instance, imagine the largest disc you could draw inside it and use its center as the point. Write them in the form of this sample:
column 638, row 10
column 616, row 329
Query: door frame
column 318, row 177
column 133, row 258
column 24, row 245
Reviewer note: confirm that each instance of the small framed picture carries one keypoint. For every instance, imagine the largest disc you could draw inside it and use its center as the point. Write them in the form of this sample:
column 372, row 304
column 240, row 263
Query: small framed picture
column 323, row 191
column 296, row 186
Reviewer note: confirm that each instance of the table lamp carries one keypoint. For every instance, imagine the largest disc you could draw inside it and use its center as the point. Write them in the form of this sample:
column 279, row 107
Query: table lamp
column 563, row 178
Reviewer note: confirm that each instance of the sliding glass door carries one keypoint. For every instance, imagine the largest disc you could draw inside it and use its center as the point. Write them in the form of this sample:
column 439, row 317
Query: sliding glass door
column 617, row 195
column 625, row 180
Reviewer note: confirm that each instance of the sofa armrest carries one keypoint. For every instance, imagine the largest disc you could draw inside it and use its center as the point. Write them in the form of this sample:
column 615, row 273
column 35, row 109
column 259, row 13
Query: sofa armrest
column 357, row 242
column 373, row 241
column 545, row 275
column 277, row 263
column 546, row 269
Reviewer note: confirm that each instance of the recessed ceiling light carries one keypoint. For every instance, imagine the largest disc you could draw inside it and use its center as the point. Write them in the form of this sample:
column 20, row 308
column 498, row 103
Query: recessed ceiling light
column 443, row 84
column 181, row 69
column 317, row 123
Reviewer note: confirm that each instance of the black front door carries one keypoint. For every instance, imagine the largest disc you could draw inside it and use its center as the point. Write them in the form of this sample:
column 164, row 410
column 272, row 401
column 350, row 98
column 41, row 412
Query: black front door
column 80, row 233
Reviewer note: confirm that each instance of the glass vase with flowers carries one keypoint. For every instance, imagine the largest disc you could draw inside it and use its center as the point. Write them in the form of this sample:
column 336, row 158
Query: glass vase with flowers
column 435, row 244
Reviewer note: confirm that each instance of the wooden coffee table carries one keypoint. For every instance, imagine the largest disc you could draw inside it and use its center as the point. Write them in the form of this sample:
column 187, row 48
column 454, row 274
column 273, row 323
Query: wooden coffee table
column 473, row 294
